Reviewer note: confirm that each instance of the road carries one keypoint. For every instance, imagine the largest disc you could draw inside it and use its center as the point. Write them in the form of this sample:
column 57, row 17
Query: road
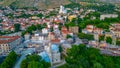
column 17, row 65
column 23, row 55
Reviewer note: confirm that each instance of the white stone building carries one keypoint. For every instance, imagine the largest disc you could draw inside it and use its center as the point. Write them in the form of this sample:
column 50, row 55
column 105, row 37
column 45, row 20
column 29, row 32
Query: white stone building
column 103, row 16
column 38, row 37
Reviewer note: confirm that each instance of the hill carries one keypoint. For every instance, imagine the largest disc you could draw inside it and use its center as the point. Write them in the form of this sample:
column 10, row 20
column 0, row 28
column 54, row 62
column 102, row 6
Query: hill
column 34, row 3
column 42, row 4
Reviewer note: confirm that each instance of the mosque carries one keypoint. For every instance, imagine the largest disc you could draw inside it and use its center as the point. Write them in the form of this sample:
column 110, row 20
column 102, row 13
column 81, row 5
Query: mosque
column 62, row 10
column 51, row 54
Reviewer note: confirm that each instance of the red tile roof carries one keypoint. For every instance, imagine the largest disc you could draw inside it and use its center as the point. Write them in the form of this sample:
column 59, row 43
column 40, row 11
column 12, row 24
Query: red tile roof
column 64, row 28
column 55, row 40
column 65, row 32
column 9, row 39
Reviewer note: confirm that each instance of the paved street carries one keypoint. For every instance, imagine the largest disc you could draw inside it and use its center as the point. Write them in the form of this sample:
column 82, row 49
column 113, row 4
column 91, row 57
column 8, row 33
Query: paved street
column 23, row 55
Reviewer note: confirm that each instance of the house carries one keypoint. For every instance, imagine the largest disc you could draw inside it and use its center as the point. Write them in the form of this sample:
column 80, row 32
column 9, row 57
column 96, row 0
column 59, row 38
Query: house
column 51, row 36
column 39, row 47
column 9, row 43
column 27, row 36
column 72, row 17
column 64, row 32
column 55, row 26
column 92, row 29
column 115, row 29
column 45, row 31
column 99, row 31
column 11, row 28
column 102, row 44
column 55, row 41
column 39, row 37
column 93, row 43
column 103, row 16
column 74, row 29
column 108, row 34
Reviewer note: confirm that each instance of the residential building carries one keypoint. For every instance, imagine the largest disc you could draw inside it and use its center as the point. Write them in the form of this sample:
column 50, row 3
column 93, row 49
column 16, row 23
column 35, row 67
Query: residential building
column 74, row 29
column 102, row 44
column 39, row 47
column 93, row 43
column 51, row 36
column 39, row 37
column 64, row 32
column 115, row 29
column 8, row 43
column 45, row 31
column 27, row 36
column 92, row 29
column 103, row 16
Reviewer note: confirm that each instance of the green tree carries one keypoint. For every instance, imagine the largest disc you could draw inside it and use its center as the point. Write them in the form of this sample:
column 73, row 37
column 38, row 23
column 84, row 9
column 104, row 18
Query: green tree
column 69, row 36
column 33, row 27
column 97, row 65
column 34, row 61
column 101, row 38
column 24, row 64
column 9, row 60
column 34, row 64
column 60, row 48
column 103, row 25
column 44, row 25
column 39, row 26
column 118, row 42
column 17, row 27
column 80, row 56
column 85, row 36
column 40, row 15
column 109, row 40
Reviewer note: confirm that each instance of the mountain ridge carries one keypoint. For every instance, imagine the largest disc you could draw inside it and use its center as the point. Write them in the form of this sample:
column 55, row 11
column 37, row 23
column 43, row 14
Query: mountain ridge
column 41, row 4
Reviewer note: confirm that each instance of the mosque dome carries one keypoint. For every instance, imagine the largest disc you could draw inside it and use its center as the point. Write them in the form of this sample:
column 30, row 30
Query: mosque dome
column 44, row 56
column 54, row 47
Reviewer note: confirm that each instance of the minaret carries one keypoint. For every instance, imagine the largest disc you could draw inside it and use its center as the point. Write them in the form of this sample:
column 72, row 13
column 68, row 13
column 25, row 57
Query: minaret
column 76, row 1
column 48, row 50
column 62, row 10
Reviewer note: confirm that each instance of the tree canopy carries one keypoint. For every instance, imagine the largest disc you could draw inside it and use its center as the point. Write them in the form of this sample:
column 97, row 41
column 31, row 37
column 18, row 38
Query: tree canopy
column 34, row 61
column 109, row 40
column 9, row 60
column 83, row 57
column 17, row 27
column 86, row 36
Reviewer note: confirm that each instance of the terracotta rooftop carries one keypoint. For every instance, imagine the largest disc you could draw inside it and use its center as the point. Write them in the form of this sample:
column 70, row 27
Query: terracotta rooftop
column 64, row 31
column 8, row 39
column 55, row 40
column 64, row 28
